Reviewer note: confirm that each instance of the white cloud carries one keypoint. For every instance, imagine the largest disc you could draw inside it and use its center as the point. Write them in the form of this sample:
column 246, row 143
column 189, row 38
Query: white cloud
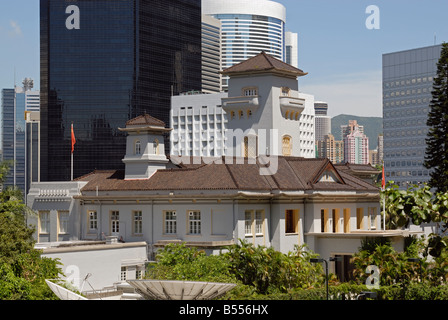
column 357, row 94
column 15, row 30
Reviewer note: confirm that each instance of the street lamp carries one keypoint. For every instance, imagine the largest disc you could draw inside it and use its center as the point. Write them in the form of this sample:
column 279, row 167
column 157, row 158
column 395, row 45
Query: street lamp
column 320, row 260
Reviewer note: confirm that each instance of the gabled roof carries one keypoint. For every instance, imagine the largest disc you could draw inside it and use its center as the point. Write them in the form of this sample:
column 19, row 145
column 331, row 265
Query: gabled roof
column 292, row 174
column 263, row 63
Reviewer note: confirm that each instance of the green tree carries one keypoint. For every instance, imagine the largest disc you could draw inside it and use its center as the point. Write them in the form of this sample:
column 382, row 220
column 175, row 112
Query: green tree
column 418, row 205
column 22, row 268
column 437, row 141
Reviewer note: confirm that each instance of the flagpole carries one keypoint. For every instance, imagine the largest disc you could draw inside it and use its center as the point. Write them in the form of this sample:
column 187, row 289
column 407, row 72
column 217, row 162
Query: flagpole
column 73, row 140
column 72, row 168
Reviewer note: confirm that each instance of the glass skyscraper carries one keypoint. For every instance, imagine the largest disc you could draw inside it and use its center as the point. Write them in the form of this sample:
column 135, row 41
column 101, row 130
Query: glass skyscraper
column 407, row 85
column 15, row 103
column 104, row 62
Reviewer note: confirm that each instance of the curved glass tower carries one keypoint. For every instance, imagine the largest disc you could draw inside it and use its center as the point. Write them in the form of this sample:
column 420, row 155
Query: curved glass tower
column 248, row 27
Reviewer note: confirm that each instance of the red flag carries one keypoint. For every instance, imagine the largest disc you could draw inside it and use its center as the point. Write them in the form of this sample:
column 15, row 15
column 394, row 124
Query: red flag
column 73, row 139
column 383, row 180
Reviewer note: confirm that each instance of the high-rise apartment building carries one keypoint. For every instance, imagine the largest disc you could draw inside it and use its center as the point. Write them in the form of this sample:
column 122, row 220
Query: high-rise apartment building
column 15, row 103
column 248, row 27
column 352, row 125
column 105, row 62
column 356, row 147
column 331, row 148
column 407, row 85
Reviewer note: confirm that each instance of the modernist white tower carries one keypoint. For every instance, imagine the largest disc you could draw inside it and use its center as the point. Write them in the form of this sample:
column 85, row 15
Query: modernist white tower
column 265, row 110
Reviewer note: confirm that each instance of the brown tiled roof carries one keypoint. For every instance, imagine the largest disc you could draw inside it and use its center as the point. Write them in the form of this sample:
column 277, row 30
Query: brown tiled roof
column 145, row 119
column 292, row 174
column 263, row 63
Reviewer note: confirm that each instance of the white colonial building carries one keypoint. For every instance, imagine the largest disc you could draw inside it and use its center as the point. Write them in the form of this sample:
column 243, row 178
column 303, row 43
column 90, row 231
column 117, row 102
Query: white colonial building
column 276, row 199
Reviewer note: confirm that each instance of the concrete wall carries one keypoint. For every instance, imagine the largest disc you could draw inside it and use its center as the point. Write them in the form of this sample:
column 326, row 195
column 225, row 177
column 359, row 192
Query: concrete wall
column 103, row 261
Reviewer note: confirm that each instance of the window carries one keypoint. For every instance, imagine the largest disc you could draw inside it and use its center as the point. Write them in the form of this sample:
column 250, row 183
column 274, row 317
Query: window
column 250, row 92
column 372, row 218
column 232, row 115
column 194, row 222
column 250, row 147
column 249, row 113
column 324, row 220
column 93, row 220
column 156, row 147
column 63, row 221
column 138, row 222
column 240, row 114
column 115, row 222
column 335, row 217
column 253, row 223
column 170, row 222
column 44, row 221
column 124, row 273
column 248, row 222
column 346, row 220
column 259, row 221
column 359, row 218
column 286, row 146
column 292, row 221
column 138, row 147
column 139, row 273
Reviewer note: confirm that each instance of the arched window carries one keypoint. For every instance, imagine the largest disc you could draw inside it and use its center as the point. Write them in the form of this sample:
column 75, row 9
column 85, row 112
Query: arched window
column 286, row 146
column 240, row 114
column 156, row 146
column 249, row 113
column 232, row 115
column 250, row 146
column 138, row 147
column 287, row 114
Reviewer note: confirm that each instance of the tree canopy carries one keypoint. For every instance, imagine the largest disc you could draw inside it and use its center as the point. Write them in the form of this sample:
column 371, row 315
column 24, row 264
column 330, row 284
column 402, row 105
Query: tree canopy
column 437, row 141
column 22, row 268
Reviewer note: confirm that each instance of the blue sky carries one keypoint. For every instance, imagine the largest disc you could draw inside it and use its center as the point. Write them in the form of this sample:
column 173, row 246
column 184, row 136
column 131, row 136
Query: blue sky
column 343, row 57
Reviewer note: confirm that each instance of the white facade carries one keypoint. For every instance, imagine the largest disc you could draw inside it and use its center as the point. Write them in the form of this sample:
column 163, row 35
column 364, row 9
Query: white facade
column 199, row 125
column 248, row 27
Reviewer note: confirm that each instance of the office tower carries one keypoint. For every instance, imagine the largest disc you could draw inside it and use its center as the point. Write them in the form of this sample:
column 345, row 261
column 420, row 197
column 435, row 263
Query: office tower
column 356, row 147
column 199, row 125
column 407, row 85
column 323, row 121
column 331, row 148
column 105, row 62
column 15, row 103
column 248, row 27
column 211, row 54
column 32, row 145
column 292, row 48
